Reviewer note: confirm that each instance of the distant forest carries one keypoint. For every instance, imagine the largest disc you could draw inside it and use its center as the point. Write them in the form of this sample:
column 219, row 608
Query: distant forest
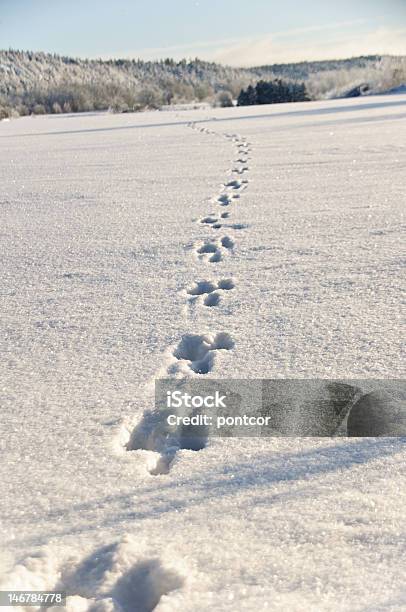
column 38, row 83
column 273, row 92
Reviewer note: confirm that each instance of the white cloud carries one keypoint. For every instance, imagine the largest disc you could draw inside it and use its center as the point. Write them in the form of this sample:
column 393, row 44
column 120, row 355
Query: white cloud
column 272, row 49
column 328, row 42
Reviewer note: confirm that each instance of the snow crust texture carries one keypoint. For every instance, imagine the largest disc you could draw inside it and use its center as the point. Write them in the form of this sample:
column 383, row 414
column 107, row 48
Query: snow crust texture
column 226, row 243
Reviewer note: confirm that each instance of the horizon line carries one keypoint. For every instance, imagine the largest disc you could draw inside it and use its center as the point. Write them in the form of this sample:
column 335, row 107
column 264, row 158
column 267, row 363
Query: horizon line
column 196, row 58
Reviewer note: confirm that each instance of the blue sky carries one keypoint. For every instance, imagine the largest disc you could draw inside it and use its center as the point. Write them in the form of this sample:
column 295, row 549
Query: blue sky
column 236, row 32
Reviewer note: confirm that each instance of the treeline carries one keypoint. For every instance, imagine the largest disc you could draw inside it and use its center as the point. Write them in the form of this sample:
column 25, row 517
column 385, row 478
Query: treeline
column 83, row 97
column 273, row 92
column 38, row 83
column 301, row 71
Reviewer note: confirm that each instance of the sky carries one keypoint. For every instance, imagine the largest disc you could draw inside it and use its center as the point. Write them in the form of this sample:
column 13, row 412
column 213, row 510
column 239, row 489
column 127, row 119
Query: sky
column 234, row 32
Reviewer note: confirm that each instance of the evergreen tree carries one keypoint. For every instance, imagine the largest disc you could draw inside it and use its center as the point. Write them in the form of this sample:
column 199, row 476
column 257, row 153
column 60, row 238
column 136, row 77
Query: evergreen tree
column 247, row 97
column 273, row 92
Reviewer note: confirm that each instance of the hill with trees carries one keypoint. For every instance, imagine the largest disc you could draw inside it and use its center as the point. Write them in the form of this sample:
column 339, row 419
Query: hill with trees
column 36, row 82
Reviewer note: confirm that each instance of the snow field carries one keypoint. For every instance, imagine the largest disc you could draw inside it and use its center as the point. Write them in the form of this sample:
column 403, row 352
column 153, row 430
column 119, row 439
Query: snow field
column 127, row 256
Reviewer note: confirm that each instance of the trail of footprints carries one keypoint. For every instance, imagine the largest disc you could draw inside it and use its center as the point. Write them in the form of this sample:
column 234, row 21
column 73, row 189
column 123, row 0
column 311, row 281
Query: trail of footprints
column 195, row 354
column 231, row 190
column 116, row 575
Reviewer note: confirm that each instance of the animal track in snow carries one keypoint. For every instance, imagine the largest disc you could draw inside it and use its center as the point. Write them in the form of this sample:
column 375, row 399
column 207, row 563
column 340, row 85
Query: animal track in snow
column 140, row 588
column 227, row 242
column 196, row 351
column 240, row 170
column 117, row 576
column 211, row 250
column 213, row 299
column 214, row 222
column 153, row 434
column 209, row 220
column 104, row 578
column 224, row 199
column 195, row 354
column 202, row 287
column 210, row 290
column 226, row 283
column 234, row 184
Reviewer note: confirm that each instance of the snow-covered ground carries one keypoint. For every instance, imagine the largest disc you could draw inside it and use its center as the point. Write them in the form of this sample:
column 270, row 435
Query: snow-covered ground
column 121, row 235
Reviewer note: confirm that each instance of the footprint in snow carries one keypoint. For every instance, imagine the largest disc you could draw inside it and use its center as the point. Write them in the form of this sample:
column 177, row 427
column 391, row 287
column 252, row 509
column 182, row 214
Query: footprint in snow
column 116, row 576
column 194, row 355
column 209, row 220
column 210, row 291
column 214, row 222
column 225, row 199
column 197, row 352
column 240, row 170
column 234, row 184
column 211, row 251
column 227, row 242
